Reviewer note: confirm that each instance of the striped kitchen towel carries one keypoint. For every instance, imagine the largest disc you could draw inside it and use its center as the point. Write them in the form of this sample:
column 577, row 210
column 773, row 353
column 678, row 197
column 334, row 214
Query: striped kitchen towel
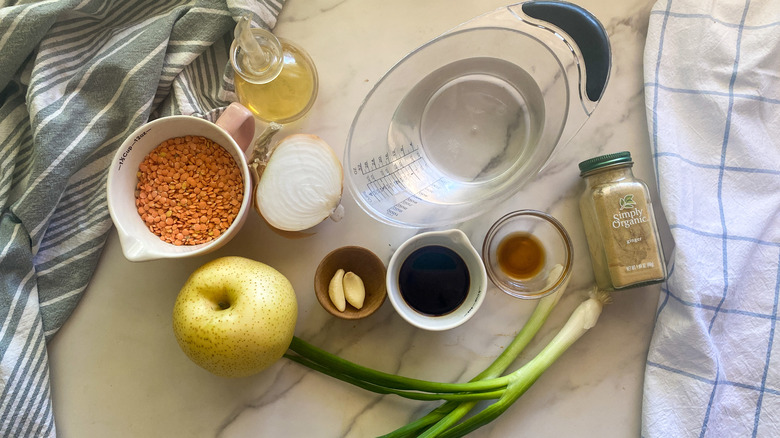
column 77, row 77
column 712, row 88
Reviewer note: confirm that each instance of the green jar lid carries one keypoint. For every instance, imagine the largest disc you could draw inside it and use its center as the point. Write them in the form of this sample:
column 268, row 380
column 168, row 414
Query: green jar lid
column 604, row 161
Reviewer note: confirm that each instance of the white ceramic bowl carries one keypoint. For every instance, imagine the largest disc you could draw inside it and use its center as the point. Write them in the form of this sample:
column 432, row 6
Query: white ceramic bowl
column 140, row 244
column 457, row 241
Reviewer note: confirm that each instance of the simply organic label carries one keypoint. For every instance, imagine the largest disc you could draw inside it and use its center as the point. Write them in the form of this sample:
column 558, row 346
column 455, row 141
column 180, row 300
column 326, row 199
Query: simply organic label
column 628, row 215
column 628, row 233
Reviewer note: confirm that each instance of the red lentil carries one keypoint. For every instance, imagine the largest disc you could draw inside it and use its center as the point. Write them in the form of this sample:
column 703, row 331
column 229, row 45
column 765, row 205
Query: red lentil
column 189, row 190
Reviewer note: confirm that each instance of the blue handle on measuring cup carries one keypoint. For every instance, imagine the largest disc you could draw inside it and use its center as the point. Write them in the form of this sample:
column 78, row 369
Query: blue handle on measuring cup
column 586, row 31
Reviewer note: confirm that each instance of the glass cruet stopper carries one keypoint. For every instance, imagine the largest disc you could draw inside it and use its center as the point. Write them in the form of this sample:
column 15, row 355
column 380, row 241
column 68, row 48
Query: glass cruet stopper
column 257, row 55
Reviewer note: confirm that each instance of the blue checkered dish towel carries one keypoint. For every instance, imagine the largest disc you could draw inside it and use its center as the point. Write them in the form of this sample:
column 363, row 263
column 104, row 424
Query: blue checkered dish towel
column 712, row 87
column 77, row 77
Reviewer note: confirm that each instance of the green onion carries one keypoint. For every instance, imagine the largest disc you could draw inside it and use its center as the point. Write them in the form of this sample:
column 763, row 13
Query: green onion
column 461, row 398
column 335, row 363
column 450, row 412
column 582, row 319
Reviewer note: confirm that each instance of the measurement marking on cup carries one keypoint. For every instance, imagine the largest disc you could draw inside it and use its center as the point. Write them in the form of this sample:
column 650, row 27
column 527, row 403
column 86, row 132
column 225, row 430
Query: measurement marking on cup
column 414, row 199
column 385, row 186
column 401, row 171
column 384, row 183
column 383, row 161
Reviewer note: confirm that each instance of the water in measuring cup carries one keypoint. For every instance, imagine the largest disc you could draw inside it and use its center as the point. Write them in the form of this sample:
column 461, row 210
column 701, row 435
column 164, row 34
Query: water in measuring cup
column 475, row 120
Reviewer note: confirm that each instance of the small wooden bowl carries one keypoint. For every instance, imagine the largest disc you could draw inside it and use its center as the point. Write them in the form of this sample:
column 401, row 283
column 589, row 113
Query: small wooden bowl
column 362, row 262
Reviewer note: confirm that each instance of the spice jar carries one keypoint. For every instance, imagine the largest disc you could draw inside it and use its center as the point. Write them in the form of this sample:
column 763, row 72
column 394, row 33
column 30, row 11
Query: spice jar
column 622, row 234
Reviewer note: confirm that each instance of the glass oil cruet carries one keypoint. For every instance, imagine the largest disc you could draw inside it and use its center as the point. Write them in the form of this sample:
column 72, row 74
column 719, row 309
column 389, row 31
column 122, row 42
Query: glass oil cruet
column 274, row 78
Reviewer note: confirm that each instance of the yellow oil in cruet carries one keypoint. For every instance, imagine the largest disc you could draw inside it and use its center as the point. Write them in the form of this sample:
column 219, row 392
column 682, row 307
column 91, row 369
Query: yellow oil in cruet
column 274, row 78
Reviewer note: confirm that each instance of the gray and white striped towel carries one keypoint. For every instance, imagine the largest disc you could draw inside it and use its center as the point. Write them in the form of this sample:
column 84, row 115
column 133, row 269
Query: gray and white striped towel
column 76, row 77
column 712, row 88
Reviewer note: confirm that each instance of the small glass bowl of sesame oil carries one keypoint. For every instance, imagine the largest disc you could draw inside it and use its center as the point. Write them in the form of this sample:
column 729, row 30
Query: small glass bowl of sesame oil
column 528, row 254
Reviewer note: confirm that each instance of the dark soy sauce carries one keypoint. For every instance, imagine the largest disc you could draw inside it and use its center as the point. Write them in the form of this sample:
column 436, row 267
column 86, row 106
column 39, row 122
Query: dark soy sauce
column 434, row 280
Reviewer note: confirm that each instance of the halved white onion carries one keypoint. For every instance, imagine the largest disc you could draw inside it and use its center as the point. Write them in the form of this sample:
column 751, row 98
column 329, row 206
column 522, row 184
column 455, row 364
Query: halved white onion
column 301, row 184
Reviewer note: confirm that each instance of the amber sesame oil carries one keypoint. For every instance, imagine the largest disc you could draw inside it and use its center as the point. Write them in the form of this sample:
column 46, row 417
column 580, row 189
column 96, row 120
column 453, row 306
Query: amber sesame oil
column 274, row 78
column 287, row 96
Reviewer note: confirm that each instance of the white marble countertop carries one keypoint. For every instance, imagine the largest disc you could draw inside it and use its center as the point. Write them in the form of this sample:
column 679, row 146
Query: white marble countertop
column 116, row 369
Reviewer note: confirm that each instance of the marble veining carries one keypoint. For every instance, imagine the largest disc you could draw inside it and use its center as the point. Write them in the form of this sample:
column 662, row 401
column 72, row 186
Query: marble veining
column 117, row 370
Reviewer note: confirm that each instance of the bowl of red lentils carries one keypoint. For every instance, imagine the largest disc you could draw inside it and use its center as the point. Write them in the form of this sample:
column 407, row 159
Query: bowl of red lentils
column 179, row 186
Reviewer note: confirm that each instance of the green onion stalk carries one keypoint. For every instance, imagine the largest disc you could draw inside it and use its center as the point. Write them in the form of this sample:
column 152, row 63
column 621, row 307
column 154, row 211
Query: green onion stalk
column 445, row 421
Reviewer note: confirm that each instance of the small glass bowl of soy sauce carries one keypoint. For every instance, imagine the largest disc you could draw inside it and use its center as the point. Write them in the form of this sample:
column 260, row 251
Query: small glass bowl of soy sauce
column 528, row 254
column 436, row 280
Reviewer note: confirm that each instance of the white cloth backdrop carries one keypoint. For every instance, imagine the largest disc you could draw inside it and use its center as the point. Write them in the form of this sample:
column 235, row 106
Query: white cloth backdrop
column 712, row 88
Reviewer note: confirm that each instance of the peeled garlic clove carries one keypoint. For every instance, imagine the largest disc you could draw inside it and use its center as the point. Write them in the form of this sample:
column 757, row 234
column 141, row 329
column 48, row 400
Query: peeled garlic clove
column 336, row 290
column 354, row 290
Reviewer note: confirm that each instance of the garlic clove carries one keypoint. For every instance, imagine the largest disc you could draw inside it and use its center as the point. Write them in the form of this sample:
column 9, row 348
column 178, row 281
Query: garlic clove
column 354, row 290
column 336, row 290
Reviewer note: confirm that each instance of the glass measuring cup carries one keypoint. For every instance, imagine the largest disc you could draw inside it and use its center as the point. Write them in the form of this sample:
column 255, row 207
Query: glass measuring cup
column 463, row 121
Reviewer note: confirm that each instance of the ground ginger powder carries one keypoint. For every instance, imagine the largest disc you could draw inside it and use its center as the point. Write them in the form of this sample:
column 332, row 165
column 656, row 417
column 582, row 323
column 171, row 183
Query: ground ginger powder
column 620, row 227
